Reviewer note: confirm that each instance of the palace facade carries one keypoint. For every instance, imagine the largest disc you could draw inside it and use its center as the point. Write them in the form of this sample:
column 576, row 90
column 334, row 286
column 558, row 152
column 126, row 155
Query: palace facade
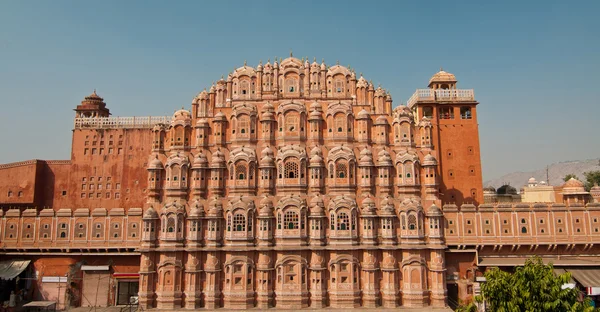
column 290, row 185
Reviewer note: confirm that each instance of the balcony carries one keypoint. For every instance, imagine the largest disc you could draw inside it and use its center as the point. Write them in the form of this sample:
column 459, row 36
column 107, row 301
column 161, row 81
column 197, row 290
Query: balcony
column 430, row 95
column 120, row 122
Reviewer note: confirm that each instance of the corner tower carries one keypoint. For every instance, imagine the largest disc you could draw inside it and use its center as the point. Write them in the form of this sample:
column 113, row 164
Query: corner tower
column 454, row 133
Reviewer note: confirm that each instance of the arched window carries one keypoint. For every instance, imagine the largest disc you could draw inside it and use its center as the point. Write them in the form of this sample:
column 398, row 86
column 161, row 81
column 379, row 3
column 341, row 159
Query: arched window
column 240, row 172
column 239, row 222
column 243, row 125
column 412, row 222
column 290, row 220
column 291, row 170
column 524, row 230
column 340, row 122
column 244, row 88
column 290, row 85
column 339, row 86
column 171, row 225
column 340, row 170
column 292, row 122
column 343, row 222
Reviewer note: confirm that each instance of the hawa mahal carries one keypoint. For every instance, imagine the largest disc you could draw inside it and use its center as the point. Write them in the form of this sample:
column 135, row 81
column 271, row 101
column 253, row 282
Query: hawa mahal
column 288, row 185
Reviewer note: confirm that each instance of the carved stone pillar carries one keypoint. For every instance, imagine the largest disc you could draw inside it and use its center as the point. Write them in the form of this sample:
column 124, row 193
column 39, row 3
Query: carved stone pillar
column 318, row 283
column 370, row 285
column 147, row 280
column 437, row 275
column 193, row 287
column 212, row 291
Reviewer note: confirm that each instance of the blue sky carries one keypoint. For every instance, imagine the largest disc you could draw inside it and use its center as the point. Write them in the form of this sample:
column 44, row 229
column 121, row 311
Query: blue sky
column 533, row 64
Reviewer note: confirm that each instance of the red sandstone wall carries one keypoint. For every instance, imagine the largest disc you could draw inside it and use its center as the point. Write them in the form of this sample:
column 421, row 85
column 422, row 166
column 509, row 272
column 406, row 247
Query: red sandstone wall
column 457, row 144
column 18, row 183
column 108, row 164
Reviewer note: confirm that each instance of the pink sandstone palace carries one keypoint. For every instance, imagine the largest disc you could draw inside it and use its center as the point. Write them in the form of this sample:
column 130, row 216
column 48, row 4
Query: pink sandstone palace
column 289, row 185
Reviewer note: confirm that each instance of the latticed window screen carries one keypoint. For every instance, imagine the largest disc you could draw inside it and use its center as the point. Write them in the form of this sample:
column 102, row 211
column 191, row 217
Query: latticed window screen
column 290, row 220
column 412, row 222
column 291, row 170
column 291, row 123
column 343, row 221
column 341, row 170
column 339, row 123
column 339, row 86
column 240, row 172
column 239, row 222
column 244, row 125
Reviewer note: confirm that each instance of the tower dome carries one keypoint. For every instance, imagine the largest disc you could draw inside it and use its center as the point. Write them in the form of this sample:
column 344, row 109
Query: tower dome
column 442, row 80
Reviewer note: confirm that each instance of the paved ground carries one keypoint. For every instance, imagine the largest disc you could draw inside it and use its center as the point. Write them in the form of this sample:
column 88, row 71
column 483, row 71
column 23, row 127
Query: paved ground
column 118, row 309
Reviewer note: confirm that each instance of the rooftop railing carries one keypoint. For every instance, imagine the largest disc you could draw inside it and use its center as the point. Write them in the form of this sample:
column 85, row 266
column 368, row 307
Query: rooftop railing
column 441, row 95
column 120, row 122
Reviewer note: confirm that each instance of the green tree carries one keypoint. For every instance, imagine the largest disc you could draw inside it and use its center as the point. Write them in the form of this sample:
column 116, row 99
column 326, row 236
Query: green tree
column 569, row 176
column 532, row 287
column 591, row 177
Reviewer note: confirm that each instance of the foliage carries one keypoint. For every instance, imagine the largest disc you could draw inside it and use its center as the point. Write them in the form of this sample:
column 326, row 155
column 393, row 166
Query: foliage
column 532, row 287
column 591, row 177
column 569, row 176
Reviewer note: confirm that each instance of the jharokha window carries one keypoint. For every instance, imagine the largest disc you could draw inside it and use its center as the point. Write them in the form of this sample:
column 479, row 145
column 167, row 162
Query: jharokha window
column 291, row 220
column 291, row 124
column 290, row 170
column 340, row 123
column 240, row 172
column 244, row 126
column 291, row 85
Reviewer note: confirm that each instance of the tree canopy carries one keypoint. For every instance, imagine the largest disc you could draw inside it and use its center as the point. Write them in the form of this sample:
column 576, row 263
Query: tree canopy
column 532, row 287
column 591, row 177
column 569, row 176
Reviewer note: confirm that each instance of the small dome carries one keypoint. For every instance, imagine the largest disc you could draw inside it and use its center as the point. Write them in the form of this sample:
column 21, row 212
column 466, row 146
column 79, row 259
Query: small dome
column 384, row 158
column 267, row 151
column 442, row 76
column 200, row 161
column 197, row 210
column 380, row 92
column 489, row 189
column 94, row 97
column 182, row 114
column 315, row 115
column 268, row 107
column 267, row 162
column 573, row 183
column 429, row 160
column 315, row 106
column 215, row 208
column 381, row 120
column 366, row 158
column 316, row 160
column 363, row 114
column 265, row 207
column 387, row 206
column 434, row 210
column 531, row 180
column 259, row 67
column 316, row 206
column 267, row 115
column 155, row 163
column 202, row 122
column 218, row 159
column 362, row 82
column 150, row 213
column 574, row 187
column 220, row 117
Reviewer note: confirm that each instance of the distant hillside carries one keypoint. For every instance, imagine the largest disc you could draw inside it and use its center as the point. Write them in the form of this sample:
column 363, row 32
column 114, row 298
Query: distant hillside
column 556, row 173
